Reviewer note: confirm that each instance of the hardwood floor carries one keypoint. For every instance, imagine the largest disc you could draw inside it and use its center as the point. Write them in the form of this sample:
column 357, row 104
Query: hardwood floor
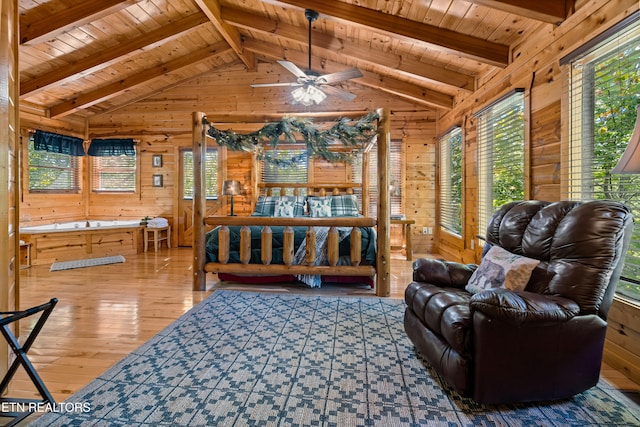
column 105, row 312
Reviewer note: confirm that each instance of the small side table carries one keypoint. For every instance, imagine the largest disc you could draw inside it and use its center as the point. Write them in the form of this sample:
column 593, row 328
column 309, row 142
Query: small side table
column 25, row 254
column 157, row 235
column 406, row 236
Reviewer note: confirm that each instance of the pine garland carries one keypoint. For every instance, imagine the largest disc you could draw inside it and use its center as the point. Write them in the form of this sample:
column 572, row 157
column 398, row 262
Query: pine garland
column 317, row 141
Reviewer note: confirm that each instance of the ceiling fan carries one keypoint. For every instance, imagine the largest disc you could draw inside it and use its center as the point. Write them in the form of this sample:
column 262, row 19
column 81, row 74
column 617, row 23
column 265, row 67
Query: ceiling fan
column 313, row 87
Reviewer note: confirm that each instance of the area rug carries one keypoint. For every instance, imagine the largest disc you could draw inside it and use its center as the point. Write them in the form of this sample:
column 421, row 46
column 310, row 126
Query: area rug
column 90, row 262
column 248, row 358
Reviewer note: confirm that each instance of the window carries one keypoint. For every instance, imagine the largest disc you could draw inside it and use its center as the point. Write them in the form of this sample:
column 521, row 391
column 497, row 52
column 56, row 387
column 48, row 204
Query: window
column 286, row 165
column 114, row 174
column 395, row 177
column 500, row 156
column 604, row 87
column 211, row 174
column 52, row 172
column 451, row 181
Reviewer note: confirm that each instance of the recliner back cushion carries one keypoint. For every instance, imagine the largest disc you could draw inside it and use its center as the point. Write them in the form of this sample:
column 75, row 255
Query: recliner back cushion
column 578, row 243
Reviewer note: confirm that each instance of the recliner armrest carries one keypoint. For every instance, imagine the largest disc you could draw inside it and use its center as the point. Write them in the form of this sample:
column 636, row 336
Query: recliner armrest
column 442, row 273
column 520, row 307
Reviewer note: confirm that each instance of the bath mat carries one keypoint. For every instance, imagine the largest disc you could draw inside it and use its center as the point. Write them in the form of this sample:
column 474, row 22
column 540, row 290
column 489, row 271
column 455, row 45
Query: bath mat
column 68, row 265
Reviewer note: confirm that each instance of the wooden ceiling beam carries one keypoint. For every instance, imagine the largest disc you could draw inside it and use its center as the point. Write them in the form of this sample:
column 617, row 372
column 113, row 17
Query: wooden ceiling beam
column 36, row 31
column 457, row 43
column 551, row 11
column 395, row 63
column 211, row 8
column 88, row 99
column 408, row 91
column 107, row 57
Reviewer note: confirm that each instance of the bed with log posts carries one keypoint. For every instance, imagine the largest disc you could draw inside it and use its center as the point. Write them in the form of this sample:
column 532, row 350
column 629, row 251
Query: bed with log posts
column 244, row 245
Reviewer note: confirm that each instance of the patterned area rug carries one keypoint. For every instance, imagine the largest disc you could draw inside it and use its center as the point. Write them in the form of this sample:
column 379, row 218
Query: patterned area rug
column 246, row 358
column 68, row 265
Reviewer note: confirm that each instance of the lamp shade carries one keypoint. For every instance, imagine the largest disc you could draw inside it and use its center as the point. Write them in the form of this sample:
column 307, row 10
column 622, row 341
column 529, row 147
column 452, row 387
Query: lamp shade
column 630, row 160
column 231, row 188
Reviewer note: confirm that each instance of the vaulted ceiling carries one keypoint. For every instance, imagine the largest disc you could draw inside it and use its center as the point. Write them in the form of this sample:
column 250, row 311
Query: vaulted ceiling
column 91, row 57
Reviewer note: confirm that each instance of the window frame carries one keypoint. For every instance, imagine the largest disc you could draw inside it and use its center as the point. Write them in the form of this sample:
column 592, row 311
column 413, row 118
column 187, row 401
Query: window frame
column 590, row 136
column 490, row 115
column 136, row 174
column 449, row 221
column 218, row 182
column 75, row 168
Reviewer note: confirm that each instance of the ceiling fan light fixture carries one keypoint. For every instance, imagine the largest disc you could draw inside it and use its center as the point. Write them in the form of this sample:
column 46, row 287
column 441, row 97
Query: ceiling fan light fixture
column 308, row 95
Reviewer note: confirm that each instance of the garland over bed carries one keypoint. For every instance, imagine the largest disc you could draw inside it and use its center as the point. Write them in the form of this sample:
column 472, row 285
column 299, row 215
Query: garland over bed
column 357, row 136
column 351, row 133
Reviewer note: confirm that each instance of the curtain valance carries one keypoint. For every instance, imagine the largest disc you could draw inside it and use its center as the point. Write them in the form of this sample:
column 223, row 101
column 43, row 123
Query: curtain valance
column 112, row 147
column 56, row 143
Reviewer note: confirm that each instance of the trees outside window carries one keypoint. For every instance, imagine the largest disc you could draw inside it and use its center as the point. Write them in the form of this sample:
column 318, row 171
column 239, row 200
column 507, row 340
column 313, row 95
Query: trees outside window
column 604, row 94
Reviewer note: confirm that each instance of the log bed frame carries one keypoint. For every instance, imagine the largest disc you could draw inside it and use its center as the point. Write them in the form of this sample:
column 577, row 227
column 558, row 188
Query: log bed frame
column 381, row 223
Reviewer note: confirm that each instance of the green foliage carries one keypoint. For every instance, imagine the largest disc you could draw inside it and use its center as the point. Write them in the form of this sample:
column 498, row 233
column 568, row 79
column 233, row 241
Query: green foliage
column 616, row 96
column 346, row 131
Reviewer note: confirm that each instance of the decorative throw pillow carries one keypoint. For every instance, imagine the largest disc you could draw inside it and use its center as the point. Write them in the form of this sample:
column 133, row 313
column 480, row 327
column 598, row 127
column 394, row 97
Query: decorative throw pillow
column 266, row 205
column 501, row 269
column 284, row 208
column 346, row 205
column 319, row 207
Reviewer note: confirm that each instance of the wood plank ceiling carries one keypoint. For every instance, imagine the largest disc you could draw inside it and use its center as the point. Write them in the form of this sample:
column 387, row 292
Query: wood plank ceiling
column 91, row 57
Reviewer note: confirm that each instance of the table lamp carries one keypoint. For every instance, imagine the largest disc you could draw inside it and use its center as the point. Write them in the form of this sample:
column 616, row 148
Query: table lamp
column 630, row 160
column 231, row 188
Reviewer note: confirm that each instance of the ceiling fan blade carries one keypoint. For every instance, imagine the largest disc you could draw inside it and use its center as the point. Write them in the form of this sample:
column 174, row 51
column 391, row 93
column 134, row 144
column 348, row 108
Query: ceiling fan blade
column 290, row 84
column 332, row 90
column 293, row 68
column 340, row 76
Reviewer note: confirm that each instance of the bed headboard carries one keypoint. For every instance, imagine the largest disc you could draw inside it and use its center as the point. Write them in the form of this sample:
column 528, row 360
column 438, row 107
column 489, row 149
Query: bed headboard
column 283, row 189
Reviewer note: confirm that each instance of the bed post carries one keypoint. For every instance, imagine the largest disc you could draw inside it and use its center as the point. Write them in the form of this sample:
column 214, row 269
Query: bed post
column 383, row 266
column 199, row 202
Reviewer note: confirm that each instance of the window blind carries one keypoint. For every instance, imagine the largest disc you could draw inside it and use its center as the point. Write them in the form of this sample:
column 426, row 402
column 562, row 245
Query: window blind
column 500, row 155
column 296, row 172
column 604, row 83
column 211, row 174
column 395, row 178
column 451, row 181
column 114, row 174
column 53, row 172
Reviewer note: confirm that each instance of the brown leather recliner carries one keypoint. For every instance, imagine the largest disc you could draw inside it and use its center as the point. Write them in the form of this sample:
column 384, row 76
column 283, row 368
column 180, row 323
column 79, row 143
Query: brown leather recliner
column 541, row 343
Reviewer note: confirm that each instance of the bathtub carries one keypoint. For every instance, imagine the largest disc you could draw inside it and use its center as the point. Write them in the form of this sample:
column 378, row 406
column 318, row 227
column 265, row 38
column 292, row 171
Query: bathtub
column 73, row 225
column 78, row 240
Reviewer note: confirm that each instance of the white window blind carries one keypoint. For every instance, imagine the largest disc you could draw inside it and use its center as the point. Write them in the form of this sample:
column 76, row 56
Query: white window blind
column 52, row 172
column 113, row 174
column 451, row 181
column 395, row 178
column 286, row 166
column 603, row 95
column 500, row 156
column 211, row 174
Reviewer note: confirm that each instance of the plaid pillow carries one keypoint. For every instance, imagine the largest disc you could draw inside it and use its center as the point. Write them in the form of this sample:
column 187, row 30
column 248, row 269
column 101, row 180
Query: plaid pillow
column 346, row 205
column 266, row 205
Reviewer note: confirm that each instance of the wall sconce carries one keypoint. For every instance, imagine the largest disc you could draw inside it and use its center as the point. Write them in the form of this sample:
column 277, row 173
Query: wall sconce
column 630, row 160
column 231, row 188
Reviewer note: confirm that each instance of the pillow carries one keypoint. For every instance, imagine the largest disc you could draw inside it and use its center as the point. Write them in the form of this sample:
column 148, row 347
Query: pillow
column 346, row 205
column 501, row 269
column 319, row 207
column 284, row 208
column 266, row 205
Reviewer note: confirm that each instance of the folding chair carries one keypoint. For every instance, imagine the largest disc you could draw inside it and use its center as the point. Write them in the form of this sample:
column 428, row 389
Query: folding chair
column 20, row 351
